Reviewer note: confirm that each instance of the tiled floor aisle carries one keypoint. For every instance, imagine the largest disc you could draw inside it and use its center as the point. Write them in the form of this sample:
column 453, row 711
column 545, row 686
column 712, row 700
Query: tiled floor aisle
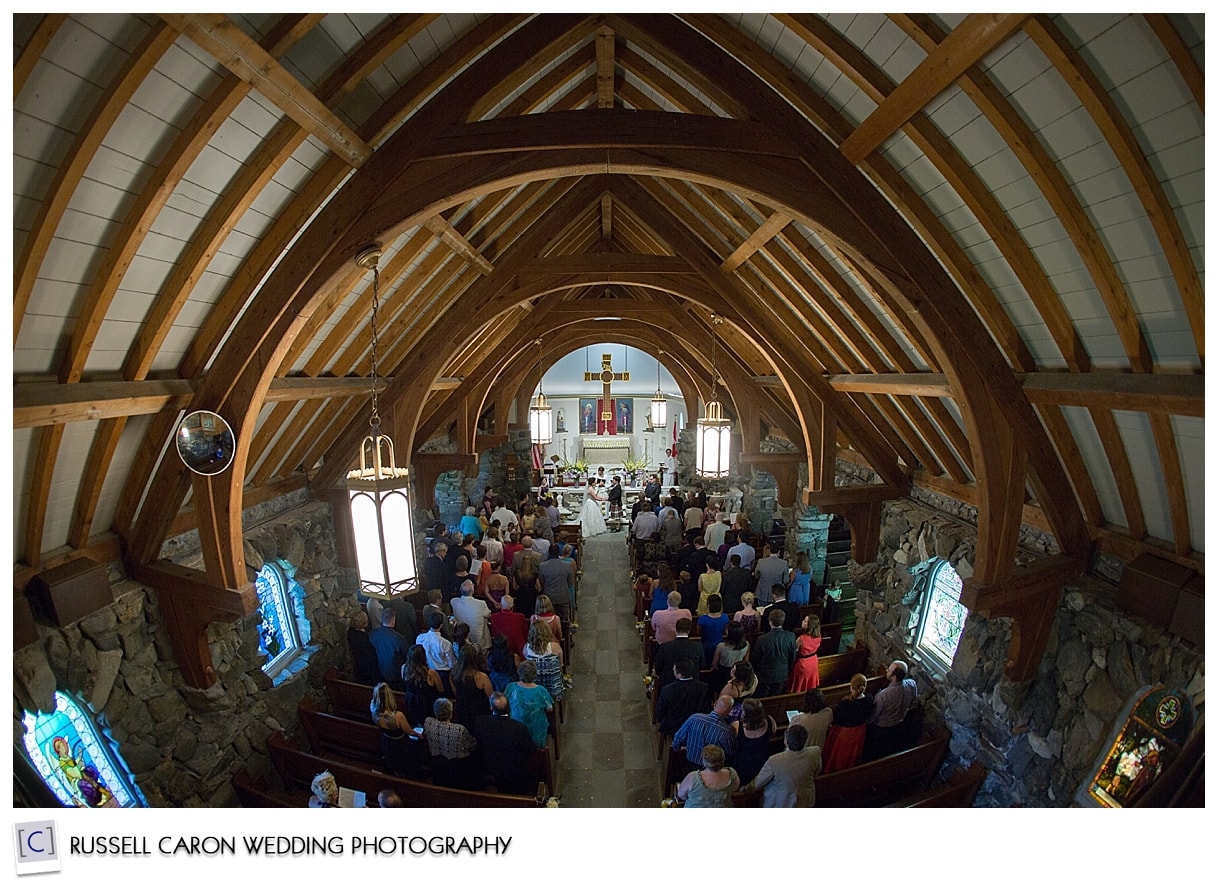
column 608, row 748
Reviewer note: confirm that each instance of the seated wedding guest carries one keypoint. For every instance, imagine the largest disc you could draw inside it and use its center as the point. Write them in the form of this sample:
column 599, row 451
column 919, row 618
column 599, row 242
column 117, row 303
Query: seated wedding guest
column 451, row 746
column 844, row 744
column 388, row 798
column 713, row 785
column 788, row 779
column 753, row 732
column 529, row 702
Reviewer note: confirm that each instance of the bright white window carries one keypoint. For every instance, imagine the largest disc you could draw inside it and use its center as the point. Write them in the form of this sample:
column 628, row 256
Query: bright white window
column 279, row 634
column 77, row 762
column 943, row 616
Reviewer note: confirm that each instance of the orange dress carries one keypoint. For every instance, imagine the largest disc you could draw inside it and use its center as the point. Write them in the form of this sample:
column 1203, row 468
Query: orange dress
column 806, row 674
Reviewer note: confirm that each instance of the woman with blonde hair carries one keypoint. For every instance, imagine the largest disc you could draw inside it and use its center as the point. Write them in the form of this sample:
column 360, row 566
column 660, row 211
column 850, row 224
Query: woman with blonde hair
column 749, row 617
column 325, row 791
column 844, row 744
column 543, row 611
column 396, row 747
column 546, row 654
column 492, row 544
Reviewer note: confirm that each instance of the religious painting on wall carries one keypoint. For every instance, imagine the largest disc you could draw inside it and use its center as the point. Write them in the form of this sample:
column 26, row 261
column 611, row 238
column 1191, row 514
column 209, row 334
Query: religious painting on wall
column 587, row 416
column 625, row 415
column 1147, row 741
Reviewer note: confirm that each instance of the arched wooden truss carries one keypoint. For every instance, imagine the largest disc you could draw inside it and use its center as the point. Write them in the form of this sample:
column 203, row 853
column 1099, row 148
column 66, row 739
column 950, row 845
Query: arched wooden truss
column 963, row 251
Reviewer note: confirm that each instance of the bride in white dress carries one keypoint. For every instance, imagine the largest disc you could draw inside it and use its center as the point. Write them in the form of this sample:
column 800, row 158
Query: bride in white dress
column 591, row 518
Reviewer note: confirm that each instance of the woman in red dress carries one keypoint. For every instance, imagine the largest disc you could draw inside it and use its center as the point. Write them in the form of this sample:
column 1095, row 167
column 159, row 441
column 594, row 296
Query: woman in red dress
column 806, row 673
column 844, row 745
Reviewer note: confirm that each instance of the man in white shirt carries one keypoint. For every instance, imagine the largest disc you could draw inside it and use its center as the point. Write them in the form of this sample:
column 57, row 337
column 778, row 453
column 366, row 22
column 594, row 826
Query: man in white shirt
column 439, row 650
column 505, row 516
column 716, row 532
column 474, row 612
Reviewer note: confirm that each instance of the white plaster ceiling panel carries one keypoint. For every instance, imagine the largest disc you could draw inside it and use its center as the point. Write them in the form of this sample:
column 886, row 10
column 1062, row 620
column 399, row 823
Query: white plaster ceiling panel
column 69, row 467
column 1147, row 470
column 1190, row 442
column 1096, row 460
column 25, row 449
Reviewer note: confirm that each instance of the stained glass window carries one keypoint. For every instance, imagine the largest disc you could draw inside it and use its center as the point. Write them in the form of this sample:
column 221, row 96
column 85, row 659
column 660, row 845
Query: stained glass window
column 943, row 615
column 279, row 634
column 78, row 764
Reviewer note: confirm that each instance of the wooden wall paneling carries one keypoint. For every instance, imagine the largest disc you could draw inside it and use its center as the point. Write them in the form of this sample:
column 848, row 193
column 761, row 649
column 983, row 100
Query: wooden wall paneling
column 1121, row 139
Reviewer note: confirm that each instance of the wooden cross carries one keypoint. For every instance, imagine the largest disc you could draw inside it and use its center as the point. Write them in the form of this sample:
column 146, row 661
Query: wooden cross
column 606, row 376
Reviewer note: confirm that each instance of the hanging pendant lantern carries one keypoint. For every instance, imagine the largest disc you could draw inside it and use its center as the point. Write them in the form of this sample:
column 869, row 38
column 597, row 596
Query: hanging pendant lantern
column 714, row 454
column 659, row 404
column 541, row 415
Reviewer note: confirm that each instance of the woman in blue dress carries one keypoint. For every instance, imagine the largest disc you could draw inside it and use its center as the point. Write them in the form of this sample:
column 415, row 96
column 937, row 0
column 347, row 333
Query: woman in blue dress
column 799, row 590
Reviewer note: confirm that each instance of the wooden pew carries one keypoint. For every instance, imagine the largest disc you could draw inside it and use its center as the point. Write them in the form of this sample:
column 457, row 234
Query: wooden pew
column 297, row 768
column 778, row 705
column 358, row 742
column 839, row 668
column 881, row 781
column 958, row 791
column 256, row 793
column 350, row 699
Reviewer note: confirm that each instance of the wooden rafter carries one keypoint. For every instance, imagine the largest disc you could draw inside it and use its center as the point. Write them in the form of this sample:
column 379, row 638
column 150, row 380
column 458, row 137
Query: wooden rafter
column 607, row 217
column 763, row 234
column 1173, row 477
column 604, row 67
column 1180, row 55
column 1122, row 471
column 222, row 39
column 34, row 47
column 972, row 40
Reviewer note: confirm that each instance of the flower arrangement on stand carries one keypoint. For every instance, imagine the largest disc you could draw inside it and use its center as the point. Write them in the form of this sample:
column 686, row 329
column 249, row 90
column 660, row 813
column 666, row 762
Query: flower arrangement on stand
column 634, row 466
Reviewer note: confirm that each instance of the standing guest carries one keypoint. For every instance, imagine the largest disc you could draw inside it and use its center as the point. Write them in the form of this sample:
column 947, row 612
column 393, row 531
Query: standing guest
column 788, row 779
column 736, row 581
column 511, row 625
column 552, row 513
column 731, row 649
column 844, row 745
column 645, row 524
column 753, row 733
column 391, row 649
column 497, row 585
column 651, row 490
column 460, row 574
column 494, row 546
column 800, row 590
column 773, row 656
column 665, row 621
column 702, row 729
column 790, row 612
column 529, row 702
column 557, row 583
column 504, row 516
column 713, row 785
column 452, row 748
column 436, row 571
column 501, row 663
column 544, row 612
column 806, row 674
column 438, row 649
column 473, row 612
column 711, row 626
column 541, row 545
column 748, row 617
column 512, row 546
column 436, row 604
column 364, row 666
column 422, row 686
column 683, row 697
column 692, row 519
column 710, row 582
column 716, row 532
column 747, row 553
column 471, row 685
column 505, row 747
column 470, row 525
column 397, row 745
column 885, row 729
column 487, row 506
column 771, row 570
column 546, row 654
column 669, row 653
column 687, row 587
column 816, row 717
column 739, row 686
column 671, row 531
column 699, row 495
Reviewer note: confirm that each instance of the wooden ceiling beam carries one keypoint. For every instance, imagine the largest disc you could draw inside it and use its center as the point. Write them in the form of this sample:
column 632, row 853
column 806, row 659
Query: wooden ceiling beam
column 607, row 217
column 220, row 37
column 1182, row 58
column 763, row 234
column 1173, row 478
column 972, row 40
column 459, row 244
column 604, row 67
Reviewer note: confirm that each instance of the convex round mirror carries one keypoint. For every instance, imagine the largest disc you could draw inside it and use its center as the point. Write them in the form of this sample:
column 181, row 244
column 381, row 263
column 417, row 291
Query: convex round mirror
column 205, row 442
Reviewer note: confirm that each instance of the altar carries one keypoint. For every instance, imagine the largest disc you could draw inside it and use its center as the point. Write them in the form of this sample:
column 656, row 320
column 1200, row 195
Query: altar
column 606, row 450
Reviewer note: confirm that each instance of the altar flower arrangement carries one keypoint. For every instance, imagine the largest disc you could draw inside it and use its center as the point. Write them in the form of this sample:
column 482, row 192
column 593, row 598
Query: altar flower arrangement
column 633, row 466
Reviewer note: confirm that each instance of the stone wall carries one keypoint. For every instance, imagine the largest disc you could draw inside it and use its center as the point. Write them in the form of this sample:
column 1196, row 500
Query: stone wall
column 182, row 745
column 1038, row 740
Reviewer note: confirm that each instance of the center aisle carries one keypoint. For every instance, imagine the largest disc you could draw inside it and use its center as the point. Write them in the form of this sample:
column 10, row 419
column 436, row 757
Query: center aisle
column 608, row 742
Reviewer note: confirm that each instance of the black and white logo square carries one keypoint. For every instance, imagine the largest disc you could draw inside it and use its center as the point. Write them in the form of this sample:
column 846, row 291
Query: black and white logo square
column 36, row 847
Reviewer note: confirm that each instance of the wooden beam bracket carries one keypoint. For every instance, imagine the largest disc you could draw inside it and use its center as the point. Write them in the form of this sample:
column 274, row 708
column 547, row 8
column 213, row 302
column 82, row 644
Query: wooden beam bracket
column 189, row 603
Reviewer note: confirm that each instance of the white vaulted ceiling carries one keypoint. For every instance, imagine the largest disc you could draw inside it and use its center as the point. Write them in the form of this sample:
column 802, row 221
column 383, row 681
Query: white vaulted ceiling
column 169, row 199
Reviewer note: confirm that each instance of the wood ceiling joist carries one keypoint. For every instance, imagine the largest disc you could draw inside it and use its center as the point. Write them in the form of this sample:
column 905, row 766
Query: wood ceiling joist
column 1182, row 58
column 1124, row 143
column 604, row 67
column 967, row 44
column 220, row 37
column 920, row 216
column 517, row 67
column 116, row 95
column 974, row 193
column 1173, row 477
column 1122, row 471
column 445, row 232
column 756, row 240
column 34, row 48
column 607, row 217
column 1067, row 208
